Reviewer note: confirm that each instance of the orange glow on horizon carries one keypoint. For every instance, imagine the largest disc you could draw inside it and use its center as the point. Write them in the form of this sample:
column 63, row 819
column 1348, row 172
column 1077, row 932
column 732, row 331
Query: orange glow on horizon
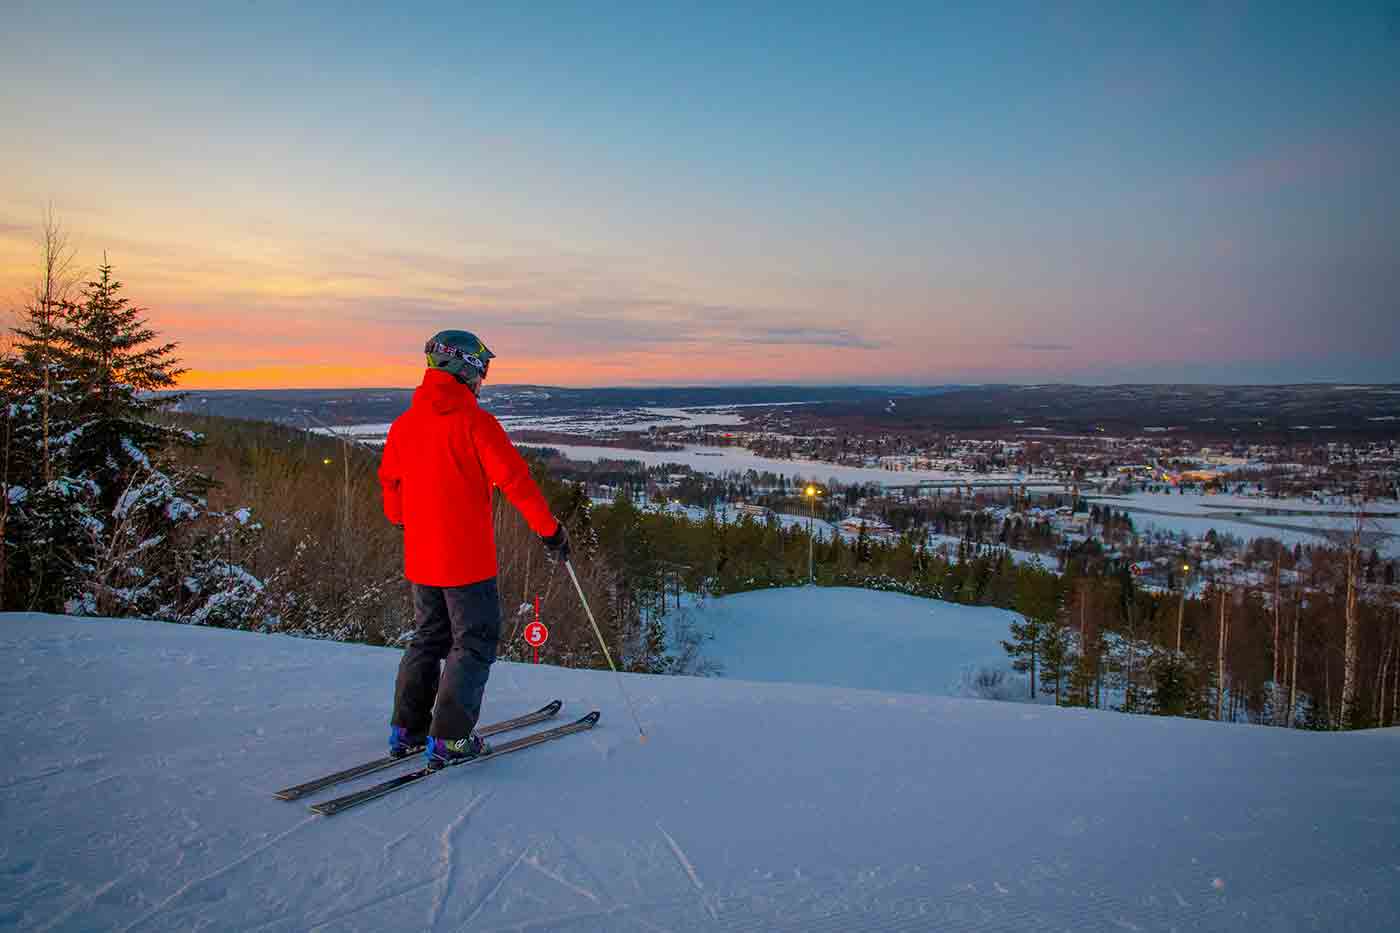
column 616, row 369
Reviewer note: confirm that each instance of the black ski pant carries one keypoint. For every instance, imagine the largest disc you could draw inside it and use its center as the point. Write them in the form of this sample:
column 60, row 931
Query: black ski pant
column 459, row 625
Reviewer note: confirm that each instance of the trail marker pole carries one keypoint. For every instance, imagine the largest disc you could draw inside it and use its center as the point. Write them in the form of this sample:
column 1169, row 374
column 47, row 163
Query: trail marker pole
column 536, row 633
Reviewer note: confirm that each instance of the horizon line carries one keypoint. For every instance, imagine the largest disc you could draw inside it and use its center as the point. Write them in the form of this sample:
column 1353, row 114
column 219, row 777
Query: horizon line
column 811, row 386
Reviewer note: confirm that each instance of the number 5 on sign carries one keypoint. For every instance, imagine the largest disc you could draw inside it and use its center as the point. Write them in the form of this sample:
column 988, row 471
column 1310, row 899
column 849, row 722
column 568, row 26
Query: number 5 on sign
column 535, row 635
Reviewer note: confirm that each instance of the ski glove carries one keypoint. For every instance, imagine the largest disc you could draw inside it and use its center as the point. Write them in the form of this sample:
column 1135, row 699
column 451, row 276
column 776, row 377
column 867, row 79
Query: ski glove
column 558, row 543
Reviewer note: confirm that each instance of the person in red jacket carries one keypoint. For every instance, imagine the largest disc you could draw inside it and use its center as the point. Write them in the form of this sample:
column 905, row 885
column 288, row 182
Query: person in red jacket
column 441, row 460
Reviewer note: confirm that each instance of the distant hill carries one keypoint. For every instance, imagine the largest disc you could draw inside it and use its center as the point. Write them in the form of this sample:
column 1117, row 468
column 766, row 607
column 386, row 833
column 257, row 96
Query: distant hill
column 1309, row 412
column 349, row 406
column 1277, row 413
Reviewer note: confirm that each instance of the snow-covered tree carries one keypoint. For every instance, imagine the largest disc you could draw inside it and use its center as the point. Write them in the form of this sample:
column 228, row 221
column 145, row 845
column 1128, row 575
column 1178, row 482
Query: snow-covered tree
column 119, row 372
column 39, row 510
column 98, row 517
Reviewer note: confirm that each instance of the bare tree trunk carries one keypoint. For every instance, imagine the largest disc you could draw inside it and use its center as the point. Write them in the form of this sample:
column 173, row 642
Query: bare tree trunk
column 1378, row 691
column 1293, row 674
column 1083, row 643
column 1276, row 690
column 1327, row 686
column 1349, row 676
column 1220, row 663
column 58, row 279
column 1395, row 692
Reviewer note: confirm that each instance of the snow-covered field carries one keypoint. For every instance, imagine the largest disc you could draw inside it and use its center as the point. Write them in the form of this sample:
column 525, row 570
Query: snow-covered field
column 627, row 419
column 846, row 637
column 721, row 460
column 949, row 544
column 135, row 795
column 609, row 421
column 1200, row 504
column 1292, row 521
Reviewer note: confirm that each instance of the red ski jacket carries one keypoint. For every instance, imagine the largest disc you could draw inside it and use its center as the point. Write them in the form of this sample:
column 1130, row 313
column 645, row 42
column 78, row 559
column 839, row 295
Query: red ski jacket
column 442, row 457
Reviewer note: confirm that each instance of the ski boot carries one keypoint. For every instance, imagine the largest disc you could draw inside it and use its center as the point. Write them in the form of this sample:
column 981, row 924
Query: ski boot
column 444, row 752
column 402, row 743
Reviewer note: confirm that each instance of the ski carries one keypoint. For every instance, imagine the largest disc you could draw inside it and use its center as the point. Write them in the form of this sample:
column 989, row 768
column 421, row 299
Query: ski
column 379, row 764
column 331, row 807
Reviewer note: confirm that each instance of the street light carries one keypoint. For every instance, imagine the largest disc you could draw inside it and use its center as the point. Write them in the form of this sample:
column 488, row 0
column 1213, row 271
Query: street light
column 811, row 493
column 1181, row 608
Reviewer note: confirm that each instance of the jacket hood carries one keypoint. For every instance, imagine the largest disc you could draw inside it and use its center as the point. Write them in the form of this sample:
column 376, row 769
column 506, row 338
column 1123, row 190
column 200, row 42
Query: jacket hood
column 441, row 394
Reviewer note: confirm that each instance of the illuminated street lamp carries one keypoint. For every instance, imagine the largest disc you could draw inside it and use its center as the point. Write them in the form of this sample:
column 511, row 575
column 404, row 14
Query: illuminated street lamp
column 1181, row 608
column 811, row 492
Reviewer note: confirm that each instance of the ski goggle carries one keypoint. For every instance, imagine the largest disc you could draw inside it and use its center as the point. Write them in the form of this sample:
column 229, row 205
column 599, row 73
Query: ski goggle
column 481, row 363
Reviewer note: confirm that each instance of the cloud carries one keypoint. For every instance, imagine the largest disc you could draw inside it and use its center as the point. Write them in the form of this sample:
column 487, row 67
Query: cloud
column 613, row 322
column 1042, row 346
column 812, row 337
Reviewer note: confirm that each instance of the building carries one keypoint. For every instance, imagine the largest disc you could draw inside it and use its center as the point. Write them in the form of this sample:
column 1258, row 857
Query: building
column 759, row 512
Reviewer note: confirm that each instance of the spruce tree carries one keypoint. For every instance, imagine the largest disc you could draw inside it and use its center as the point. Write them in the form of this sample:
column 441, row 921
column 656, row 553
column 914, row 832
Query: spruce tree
column 1035, row 601
column 41, row 511
column 119, row 371
column 1056, row 659
column 138, row 503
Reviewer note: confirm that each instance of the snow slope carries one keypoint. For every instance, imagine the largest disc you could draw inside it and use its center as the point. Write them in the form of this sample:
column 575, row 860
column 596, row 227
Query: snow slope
column 135, row 795
column 848, row 637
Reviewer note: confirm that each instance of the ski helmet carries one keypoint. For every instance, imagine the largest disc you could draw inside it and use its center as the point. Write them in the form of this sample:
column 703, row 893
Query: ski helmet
column 459, row 353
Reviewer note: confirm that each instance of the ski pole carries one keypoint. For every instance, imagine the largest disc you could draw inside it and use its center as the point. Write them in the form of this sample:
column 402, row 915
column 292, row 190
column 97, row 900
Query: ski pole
column 568, row 565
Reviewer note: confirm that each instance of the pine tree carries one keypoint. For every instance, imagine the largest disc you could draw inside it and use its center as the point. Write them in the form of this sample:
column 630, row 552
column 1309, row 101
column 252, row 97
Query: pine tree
column 579, row 520
column 863, row 552
column 1172, row 693
column 1024, row 647
column 1035, row 601
column 118, row 371
column 1056, row 658
column 43, row 498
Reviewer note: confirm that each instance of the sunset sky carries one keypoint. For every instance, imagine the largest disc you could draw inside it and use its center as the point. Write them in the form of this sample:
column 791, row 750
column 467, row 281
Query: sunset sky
column 613, row 194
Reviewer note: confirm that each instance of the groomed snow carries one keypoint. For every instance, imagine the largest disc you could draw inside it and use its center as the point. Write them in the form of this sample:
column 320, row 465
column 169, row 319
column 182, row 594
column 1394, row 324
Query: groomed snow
column 135, row 795
column 847, row 637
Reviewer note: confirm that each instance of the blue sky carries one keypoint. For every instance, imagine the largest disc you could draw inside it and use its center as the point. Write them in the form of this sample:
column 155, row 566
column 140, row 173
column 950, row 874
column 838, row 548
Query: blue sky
column 614, row 193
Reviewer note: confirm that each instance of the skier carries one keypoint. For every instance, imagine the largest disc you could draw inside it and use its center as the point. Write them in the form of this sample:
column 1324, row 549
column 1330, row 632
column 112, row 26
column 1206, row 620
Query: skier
column 441, row 460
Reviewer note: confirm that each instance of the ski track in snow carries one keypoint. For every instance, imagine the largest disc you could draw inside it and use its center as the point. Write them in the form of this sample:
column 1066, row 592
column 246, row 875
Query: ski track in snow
column 534, row 863
column 447, row 859
column 216, row 873
column 689, row 870
column 379, row 900
column 486, row 899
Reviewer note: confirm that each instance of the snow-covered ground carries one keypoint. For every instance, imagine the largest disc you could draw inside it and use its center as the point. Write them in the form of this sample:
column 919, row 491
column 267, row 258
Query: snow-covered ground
column 1292, row 521
column 720, row 460
column 135, row 795
column 846, row 637
column 726, row 514
column 627, row 419
column 1198, row 503
column 609, row 421
column 948, row 544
